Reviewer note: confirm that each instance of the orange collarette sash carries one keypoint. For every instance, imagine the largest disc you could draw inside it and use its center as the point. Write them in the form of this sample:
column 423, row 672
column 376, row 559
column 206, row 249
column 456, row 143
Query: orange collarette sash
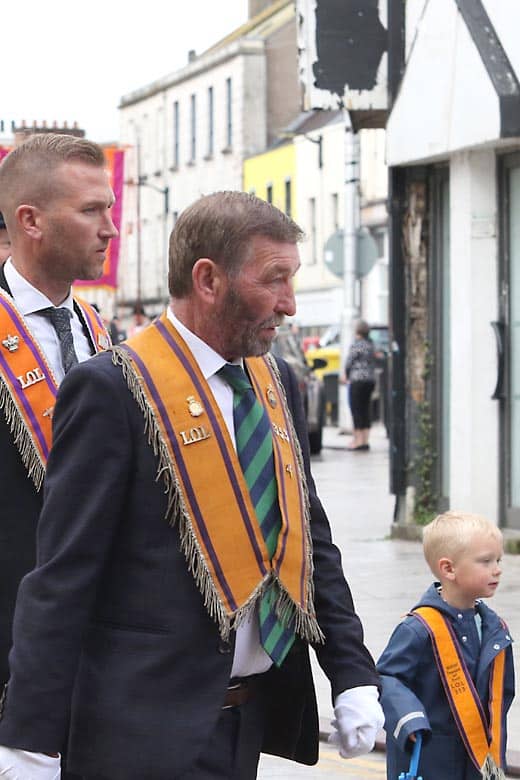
column 219, row 531
column 28, row 387
column 482, row 742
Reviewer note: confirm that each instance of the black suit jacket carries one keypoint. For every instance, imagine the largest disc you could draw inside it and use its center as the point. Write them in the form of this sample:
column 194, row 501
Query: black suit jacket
column 20, row 506
column 112, row 618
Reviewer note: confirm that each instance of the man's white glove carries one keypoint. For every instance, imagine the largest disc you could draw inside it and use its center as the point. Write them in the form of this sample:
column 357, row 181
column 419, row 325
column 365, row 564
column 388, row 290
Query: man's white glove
column 23, row 765
column 358, row 718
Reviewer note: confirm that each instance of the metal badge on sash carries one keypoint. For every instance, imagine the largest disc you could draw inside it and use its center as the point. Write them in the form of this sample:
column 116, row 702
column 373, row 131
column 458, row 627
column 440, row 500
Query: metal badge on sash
column 11, row 342
column 31, row 377
column 194, row 407
column 103, row 341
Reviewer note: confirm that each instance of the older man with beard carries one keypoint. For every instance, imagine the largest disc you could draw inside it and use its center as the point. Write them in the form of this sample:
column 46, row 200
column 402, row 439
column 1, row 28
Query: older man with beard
column 185, row 561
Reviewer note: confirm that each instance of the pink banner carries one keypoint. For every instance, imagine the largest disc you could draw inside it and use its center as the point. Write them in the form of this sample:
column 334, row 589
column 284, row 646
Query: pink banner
column 116, row 161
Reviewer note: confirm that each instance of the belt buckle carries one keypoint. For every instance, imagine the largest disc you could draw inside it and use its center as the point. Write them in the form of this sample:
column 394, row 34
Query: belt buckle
column 235, row 687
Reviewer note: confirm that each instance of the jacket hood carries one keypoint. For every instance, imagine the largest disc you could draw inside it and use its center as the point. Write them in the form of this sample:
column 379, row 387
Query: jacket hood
column 432, row 598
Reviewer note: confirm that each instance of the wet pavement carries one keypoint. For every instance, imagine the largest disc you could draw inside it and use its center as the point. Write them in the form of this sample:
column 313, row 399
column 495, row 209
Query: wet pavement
column 386, row 575
column 330, row 767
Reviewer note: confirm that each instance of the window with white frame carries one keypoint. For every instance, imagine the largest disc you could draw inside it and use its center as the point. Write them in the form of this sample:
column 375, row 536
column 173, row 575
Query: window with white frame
column 288, row 197
column 229, row 113
column 334, row 211
column 313, row 259
column 193, row 128
column 211, row 122
column 176, row 129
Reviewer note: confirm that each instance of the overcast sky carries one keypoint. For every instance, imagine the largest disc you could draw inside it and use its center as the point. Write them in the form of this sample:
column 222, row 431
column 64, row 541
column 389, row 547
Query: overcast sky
column 72, row 61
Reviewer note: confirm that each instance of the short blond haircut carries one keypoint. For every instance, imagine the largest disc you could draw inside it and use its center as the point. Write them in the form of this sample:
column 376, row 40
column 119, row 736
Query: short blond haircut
column 448, row 535
column 26, row 173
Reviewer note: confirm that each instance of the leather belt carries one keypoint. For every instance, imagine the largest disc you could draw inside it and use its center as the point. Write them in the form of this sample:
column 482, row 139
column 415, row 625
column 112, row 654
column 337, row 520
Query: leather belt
column 240, row 691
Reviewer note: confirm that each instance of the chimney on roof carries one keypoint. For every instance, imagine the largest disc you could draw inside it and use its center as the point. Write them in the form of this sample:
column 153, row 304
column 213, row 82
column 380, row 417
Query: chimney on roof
column 256, row 6
column 192, row 55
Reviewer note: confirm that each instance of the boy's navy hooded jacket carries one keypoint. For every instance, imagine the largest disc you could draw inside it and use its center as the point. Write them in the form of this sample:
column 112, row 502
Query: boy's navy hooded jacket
column 413, row 696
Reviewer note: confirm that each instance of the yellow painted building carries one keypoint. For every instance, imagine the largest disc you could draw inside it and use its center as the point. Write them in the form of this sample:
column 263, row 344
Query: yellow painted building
column 272, row 177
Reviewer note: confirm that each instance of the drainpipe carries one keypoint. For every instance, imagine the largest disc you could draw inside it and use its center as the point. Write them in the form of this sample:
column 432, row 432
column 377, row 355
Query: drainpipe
column 350, row 303
column 397, row 315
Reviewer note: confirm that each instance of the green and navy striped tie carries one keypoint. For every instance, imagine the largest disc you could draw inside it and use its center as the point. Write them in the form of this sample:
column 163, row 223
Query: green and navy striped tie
column 254, row 444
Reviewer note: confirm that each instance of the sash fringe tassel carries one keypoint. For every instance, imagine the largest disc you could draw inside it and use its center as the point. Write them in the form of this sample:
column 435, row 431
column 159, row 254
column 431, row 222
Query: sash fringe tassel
column 490, row 771
column 22, row 438
column 305, row 623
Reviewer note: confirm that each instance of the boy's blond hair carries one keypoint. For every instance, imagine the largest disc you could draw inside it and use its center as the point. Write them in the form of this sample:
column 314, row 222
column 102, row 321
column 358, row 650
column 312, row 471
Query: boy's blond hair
column 449, row 533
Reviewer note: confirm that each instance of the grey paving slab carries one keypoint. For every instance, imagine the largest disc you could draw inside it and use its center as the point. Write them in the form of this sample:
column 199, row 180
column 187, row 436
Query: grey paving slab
column 330, row 767
column 386, row 576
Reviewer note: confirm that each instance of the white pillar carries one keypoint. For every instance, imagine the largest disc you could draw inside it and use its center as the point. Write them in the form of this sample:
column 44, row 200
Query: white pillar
column 474, row 304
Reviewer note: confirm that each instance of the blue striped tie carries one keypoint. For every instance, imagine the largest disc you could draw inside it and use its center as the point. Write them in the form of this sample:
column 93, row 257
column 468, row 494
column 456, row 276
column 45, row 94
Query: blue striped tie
column 255, row 452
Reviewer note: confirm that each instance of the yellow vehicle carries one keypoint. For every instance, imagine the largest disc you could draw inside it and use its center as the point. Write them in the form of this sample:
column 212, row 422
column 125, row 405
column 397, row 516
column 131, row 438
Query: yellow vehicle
column 329, row 375
column 331, row 354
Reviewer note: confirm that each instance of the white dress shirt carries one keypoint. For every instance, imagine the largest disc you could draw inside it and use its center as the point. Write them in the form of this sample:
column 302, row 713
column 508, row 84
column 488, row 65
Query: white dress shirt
column 250, row 657
column 28, row 301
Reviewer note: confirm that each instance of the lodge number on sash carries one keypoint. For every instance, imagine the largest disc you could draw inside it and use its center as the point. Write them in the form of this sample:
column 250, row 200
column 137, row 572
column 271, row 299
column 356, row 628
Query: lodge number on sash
column 195, row 434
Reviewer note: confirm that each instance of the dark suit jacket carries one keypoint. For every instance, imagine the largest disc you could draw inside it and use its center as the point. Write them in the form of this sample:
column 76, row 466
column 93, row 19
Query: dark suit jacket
column 20, row 506
column 19, row 510
column 112, row 617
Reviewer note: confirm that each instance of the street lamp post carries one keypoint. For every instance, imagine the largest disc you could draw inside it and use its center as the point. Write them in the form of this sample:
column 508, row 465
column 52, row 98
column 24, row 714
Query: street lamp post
column 165, row 192
column 319, row 141
column 350, row 303
column 141, row 180
column 138, row 302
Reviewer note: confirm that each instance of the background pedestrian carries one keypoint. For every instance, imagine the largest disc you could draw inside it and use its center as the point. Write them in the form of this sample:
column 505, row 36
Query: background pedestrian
column 360, row 379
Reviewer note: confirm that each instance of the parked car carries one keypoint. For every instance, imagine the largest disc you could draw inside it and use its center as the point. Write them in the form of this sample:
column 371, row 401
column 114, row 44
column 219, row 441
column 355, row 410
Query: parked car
column 330, row 350
column 286, row 346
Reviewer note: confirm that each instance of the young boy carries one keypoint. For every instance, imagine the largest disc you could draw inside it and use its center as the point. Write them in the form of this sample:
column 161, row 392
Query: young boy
column 448, row 668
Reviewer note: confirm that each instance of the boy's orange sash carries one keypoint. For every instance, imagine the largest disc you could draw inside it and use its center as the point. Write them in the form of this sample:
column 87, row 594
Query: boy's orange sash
column 28, row 387
column 220, row 534
column 483, row 742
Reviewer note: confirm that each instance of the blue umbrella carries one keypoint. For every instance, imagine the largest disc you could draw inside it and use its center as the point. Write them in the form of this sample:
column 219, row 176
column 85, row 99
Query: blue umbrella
column 414, row 761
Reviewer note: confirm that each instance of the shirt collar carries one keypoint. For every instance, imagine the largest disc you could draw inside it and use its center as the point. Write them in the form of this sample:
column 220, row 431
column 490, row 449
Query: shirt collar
column 209, row 361
column 29, row 299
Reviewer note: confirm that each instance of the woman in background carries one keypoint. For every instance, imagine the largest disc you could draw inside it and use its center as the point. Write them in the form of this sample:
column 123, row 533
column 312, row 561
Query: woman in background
column 360, row 378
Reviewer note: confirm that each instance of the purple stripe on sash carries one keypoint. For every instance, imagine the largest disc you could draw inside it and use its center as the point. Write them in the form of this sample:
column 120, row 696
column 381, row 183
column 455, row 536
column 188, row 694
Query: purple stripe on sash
column 220, row 439
column 87, row 316
column 490, row 699
column 28, row 340
column 183, row 471
column 447, row 689
column 283, row 498
column 302, row 513
column 280, row 482
column 27, row 407
column 470, row 680
column 15, row 383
